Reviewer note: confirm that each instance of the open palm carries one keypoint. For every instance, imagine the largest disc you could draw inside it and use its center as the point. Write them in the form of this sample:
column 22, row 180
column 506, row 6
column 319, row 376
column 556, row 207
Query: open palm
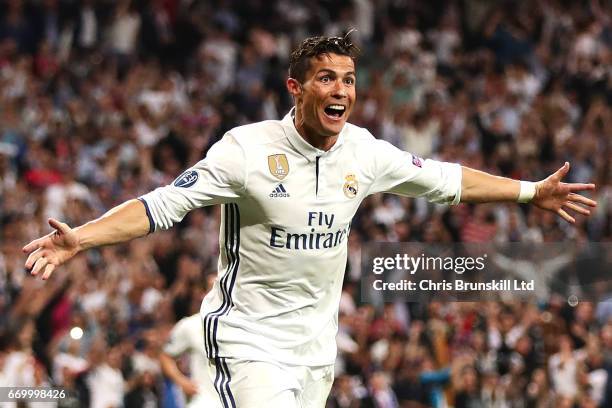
column 554, row 195
column 52, row 250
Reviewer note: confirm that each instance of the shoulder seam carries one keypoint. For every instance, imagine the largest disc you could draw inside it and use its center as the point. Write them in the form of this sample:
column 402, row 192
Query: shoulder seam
column 254, row 141
column 246, row 160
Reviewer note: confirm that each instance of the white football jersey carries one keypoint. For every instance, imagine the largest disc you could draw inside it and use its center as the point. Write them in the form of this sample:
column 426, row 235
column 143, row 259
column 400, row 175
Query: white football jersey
column 187, row 336
column 287, row 210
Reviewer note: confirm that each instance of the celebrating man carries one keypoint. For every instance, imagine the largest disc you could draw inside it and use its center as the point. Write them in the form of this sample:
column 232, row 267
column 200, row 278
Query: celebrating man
column 289, row 190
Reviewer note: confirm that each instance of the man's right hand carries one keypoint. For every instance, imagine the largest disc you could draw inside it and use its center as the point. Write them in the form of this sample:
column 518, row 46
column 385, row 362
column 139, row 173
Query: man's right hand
column 189, row 387
column 52, row 250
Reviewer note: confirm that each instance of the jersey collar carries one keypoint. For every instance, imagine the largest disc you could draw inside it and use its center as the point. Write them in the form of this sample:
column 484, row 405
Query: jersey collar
column 302, row 146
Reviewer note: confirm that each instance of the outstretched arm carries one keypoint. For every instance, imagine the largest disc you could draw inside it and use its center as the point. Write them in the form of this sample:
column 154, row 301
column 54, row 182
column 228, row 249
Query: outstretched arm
column 122, row 223
column 171, row 370
column 218, row 178
column 549, row 194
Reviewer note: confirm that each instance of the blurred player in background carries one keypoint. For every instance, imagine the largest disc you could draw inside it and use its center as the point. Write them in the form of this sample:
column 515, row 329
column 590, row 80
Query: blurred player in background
column 186, row 338
column 289, row 190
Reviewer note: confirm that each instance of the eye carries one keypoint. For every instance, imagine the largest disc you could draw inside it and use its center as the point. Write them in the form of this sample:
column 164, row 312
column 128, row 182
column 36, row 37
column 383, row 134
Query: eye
column 325, row 79
column 349, row 81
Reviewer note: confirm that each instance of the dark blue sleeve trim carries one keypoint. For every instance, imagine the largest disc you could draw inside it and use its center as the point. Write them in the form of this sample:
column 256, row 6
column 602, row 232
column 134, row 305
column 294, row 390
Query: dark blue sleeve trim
column 151, row 223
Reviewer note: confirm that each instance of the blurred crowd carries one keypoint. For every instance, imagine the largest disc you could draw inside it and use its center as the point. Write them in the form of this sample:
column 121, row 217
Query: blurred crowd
column 103, row 100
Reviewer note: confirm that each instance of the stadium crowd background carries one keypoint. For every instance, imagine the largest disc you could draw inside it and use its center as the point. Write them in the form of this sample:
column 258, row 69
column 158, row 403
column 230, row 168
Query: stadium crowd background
column 101, row 101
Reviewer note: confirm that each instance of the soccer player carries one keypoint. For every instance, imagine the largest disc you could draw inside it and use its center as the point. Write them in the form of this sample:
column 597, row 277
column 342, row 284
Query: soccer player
column 289, row 190
column 186, row 337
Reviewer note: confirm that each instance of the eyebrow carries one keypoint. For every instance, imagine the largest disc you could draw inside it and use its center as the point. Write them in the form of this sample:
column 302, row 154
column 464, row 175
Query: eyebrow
column 334, row 72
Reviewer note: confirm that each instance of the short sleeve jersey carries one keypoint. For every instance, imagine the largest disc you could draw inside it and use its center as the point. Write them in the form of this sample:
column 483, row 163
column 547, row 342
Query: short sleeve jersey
column 286, row 215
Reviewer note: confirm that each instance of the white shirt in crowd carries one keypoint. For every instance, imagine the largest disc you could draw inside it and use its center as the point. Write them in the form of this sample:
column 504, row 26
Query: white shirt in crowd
column 187, row 338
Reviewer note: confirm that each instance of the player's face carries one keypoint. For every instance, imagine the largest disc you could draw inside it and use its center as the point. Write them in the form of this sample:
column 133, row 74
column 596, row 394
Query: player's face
column 327, row 95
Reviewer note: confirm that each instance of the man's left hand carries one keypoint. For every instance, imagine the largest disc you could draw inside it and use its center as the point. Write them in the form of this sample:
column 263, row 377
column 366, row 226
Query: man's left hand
column 558, row 197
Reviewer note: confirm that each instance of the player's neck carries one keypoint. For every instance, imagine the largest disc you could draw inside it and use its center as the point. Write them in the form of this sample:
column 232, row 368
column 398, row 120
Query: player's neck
column 312, row 137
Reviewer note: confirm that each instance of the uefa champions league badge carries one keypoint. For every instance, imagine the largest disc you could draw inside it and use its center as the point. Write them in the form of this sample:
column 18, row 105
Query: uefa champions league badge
column 187, row 179
column 417, row 161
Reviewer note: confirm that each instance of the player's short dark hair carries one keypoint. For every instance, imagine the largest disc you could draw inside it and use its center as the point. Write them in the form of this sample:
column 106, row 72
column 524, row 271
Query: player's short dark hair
column 299, row 62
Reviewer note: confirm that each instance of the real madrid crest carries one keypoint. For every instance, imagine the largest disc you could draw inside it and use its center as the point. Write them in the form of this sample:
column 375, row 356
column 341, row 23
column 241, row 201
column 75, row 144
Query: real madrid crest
column 278, row 165
column 351, row 186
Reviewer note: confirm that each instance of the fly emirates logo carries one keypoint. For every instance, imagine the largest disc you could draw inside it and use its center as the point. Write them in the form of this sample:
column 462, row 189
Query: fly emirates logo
column 321, row 234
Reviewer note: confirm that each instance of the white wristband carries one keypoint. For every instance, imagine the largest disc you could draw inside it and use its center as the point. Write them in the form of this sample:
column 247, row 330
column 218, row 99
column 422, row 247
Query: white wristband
column 528, row 190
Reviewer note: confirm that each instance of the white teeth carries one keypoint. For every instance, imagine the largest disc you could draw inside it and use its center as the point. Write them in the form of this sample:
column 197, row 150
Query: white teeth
column 338, row 107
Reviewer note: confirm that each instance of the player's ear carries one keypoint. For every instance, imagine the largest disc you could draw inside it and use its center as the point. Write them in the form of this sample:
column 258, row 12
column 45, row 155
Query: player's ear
column 294, row 87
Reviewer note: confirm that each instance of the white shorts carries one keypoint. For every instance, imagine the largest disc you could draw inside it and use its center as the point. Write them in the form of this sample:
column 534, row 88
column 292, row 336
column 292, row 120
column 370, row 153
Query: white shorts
column 255, row 384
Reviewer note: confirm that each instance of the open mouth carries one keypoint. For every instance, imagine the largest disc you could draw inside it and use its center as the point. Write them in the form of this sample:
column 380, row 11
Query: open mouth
column 335, row 111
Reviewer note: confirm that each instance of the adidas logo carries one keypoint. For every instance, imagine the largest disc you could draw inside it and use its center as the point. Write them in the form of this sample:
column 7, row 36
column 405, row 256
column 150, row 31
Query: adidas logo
column 279, row 191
